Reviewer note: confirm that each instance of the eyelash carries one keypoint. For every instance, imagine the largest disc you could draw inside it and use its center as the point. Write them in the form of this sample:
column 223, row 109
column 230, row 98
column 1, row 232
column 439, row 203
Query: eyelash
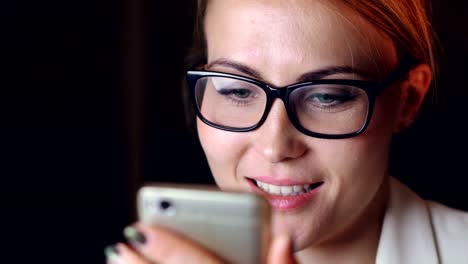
column 228, row 93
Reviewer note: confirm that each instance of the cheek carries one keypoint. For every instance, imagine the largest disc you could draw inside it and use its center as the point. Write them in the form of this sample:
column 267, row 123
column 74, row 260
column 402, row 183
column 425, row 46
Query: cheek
column 369, row 152
column 359, row 156
column 359, row 164
column 223, row 151
column 355, row 168
column 366, row 156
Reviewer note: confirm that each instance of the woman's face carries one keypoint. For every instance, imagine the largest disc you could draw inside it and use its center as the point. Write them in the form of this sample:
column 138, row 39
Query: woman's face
column 281, row 41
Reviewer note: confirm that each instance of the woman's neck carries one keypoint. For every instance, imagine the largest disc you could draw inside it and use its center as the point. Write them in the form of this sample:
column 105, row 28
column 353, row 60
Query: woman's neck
column 357, row 244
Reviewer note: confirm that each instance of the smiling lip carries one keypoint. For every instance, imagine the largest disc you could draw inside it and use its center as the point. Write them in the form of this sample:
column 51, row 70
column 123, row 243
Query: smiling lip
column 289, row 202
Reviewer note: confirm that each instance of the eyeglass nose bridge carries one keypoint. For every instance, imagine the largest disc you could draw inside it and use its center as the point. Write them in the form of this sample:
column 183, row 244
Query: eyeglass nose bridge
column 280, row 92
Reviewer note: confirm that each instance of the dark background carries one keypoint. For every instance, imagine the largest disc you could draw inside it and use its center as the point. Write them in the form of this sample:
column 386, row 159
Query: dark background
column 90, row 107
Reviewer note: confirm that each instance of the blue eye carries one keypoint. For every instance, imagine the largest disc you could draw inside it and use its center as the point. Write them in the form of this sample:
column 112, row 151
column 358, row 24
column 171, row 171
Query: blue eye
column 325, row 99
column 330, row 98
column 239, row 96
column 237, row 93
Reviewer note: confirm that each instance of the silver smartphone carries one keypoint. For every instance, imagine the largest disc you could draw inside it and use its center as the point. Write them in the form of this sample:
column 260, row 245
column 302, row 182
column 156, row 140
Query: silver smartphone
column 235, row 226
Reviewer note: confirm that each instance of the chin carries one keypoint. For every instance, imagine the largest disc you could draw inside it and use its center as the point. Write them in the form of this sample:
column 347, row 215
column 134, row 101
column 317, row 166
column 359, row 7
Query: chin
column 305, row 229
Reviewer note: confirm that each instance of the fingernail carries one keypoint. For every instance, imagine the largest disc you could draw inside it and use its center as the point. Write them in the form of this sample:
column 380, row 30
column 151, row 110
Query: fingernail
column 134, row 235
column 111, row 252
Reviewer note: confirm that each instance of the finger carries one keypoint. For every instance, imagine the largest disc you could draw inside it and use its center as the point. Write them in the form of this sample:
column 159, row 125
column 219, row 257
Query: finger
column 163, row 246
column 281, row 251
column 121, row 253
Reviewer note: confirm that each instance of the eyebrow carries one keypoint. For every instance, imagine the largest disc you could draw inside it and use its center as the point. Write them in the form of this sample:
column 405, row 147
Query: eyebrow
column 309, row 76
column 236, row 66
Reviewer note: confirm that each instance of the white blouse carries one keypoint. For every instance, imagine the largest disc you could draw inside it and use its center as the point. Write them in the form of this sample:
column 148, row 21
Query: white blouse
column 419, row 231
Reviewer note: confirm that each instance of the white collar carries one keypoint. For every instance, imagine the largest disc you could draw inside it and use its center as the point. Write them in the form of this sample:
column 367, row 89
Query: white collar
column 407, row 235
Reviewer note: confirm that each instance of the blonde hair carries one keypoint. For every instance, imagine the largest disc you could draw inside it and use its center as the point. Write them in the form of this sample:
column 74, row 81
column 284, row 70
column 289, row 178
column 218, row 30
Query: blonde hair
column 405, row 21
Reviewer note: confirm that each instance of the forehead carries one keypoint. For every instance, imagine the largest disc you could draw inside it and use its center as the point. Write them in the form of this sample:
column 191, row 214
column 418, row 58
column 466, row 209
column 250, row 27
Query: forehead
column 288, row 37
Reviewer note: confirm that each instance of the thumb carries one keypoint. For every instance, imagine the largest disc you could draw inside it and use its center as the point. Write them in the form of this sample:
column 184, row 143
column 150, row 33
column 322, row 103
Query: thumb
column 281, row 251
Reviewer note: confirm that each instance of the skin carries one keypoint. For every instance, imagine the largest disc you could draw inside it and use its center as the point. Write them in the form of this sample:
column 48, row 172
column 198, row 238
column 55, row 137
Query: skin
column 281, row 41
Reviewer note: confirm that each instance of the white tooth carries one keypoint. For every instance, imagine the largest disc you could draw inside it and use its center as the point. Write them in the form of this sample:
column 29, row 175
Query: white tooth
column 286, row 190
column 274, row 189
column 298, row 188
column 283, row 190
column 260, row 184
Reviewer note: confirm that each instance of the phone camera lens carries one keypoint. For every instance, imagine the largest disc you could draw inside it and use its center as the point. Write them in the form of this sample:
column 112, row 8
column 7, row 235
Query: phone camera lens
column 165, row 205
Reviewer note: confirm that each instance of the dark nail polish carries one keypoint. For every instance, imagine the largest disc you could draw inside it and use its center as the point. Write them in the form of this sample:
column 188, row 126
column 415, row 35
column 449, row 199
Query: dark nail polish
column 134, row 235
column 111, row 253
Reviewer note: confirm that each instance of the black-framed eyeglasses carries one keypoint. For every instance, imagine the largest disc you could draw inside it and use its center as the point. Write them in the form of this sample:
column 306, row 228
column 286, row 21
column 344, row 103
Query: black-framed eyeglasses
column 325, row 108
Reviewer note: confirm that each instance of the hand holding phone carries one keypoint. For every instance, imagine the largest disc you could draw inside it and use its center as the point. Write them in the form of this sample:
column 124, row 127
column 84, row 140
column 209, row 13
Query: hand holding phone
column 235, row 226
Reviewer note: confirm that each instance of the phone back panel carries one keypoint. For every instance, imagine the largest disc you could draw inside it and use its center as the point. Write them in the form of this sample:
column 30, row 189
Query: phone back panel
column 235, row 226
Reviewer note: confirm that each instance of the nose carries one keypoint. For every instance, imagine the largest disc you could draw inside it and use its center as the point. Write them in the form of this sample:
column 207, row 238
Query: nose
column 277, row 139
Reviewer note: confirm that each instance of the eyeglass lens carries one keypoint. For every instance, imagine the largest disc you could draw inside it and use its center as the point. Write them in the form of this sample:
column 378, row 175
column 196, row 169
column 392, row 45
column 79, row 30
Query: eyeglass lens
column 323, row 108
